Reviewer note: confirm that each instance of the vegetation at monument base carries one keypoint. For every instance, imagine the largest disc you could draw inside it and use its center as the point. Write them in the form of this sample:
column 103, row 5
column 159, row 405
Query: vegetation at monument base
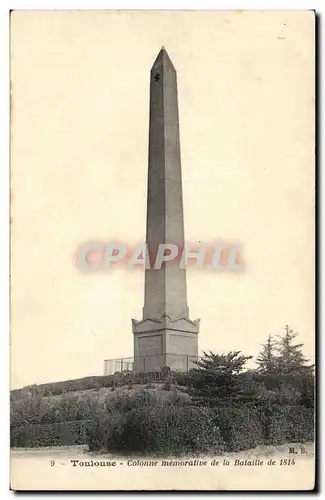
column 218, row 406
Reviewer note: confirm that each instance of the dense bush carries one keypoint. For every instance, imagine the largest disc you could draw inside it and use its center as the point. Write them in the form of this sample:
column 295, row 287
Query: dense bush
column 38, row 410
column 285, row 424
column 180, row 378
column 241, row 427
column 153, row 421
column 68, row 407
column 146, row 423
column 59, row 434
column 220, row 380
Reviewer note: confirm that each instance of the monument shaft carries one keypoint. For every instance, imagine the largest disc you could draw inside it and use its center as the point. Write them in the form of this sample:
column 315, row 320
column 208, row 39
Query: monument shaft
column 165, row 289
column 165, row 335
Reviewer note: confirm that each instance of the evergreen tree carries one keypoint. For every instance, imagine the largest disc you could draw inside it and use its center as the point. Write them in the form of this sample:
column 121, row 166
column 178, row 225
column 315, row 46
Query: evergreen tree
column 290, row 356
column 267, row 361
column 218, row 379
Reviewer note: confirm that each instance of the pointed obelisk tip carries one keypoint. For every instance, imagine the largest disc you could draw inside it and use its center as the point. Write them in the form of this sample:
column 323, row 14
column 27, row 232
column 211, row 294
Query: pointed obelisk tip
column 163, row 59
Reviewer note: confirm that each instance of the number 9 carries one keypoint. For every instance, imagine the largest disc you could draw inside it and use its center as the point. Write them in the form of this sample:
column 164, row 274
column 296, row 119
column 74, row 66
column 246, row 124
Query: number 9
column 52, row 463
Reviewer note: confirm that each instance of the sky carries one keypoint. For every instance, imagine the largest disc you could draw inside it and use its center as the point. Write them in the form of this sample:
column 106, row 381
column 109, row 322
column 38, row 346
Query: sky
column 79, row 153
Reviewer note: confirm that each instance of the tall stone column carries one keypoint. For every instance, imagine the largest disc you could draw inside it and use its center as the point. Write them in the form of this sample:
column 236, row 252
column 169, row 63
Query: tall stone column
column 165, row 335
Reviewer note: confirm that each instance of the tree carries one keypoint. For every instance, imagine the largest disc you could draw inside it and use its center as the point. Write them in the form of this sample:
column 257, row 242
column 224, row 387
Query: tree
column 290, row 356
column 218, row 379
column 267, row 361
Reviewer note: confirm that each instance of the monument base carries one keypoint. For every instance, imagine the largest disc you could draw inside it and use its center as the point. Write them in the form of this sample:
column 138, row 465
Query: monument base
column 165, row 342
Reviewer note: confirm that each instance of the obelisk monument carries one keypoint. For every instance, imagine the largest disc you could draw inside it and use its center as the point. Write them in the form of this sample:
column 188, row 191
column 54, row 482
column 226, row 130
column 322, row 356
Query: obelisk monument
column 165, row 335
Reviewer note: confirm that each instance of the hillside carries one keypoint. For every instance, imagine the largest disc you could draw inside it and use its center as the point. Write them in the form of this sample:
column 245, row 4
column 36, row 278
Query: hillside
column 95, row 383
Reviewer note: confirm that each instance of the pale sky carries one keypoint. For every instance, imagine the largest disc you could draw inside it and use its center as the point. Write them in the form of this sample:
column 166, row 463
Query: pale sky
column 80, row 104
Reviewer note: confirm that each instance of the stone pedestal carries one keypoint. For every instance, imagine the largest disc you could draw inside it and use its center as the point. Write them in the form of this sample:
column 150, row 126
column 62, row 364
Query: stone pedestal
column 165, row 342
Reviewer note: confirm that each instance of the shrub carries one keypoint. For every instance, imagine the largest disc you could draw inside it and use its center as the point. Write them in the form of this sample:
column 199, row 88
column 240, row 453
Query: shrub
column 165, row 371
column 220, row 380
column 241, row 427
column 59, row 434
column 229, row 410
column 145, row 423
column 285, row 424
column 180, row 378
column 139, row 377
column 167, row 385
column 50, row 410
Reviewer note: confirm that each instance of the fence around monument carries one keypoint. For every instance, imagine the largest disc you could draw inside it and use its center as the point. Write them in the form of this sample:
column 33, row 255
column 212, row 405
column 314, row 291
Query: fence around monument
column 146, row 364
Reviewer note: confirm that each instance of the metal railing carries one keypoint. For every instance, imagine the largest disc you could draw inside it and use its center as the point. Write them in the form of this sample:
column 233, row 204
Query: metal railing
column 151, row 363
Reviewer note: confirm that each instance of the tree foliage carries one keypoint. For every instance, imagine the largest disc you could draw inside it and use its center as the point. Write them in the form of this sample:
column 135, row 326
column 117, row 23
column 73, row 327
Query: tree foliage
column 218, row 379
column 267, row 361
column 282, row 356
column 290, row 356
